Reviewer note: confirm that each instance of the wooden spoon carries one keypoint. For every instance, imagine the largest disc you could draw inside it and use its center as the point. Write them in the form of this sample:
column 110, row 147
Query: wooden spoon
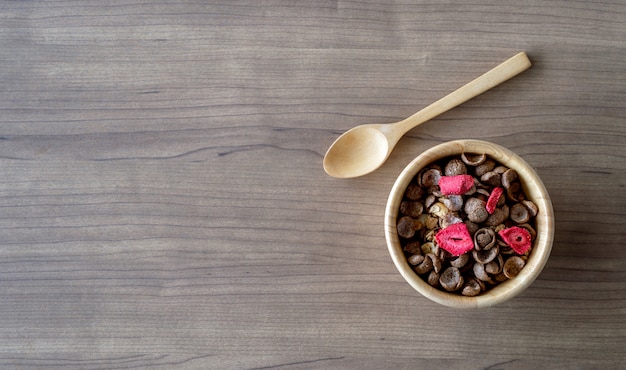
column 364, row 148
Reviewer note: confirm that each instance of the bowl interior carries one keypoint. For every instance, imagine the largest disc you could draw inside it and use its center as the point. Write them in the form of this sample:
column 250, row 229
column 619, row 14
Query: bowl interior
column 532, row 186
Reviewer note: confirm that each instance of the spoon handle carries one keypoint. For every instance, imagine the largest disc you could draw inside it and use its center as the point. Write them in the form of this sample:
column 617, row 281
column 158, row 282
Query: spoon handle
column 504, row 71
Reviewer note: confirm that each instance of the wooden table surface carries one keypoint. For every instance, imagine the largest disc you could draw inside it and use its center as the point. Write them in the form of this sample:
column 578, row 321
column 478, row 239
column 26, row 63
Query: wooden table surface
column 163, row 202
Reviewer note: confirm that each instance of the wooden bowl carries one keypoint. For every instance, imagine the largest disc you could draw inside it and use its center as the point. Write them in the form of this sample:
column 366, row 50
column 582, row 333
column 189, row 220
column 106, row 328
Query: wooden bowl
column 535, row 191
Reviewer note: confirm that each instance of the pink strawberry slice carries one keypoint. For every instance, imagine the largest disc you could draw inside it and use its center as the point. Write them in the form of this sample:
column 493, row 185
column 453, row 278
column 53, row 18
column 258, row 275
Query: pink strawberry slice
column 455, row 238
column 495, row 195
column 455, row 185
column 517, row 238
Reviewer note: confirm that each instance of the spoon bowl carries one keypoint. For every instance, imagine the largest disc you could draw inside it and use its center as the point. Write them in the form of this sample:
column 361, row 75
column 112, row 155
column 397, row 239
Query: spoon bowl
column 358, row 151
column 364, row 148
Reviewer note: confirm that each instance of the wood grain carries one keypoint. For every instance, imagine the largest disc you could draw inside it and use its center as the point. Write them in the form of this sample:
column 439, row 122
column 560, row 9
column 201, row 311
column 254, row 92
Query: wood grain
column 163, row 203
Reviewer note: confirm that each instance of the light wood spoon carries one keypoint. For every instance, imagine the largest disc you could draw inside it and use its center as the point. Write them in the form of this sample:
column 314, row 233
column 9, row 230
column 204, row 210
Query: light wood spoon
column 364, row 148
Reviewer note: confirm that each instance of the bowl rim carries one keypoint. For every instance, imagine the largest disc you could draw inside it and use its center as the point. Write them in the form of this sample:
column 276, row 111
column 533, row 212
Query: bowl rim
column 533, row 188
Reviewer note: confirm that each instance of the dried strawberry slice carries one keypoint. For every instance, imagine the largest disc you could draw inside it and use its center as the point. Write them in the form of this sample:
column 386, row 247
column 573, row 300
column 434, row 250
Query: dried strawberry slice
column 455, row 185
column 495, row 195
column 455, row 238
column 517, row 238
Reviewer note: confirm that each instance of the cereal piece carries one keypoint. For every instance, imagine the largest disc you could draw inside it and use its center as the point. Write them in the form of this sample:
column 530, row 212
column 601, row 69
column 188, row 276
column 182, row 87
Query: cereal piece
column 472, row 227
column 509, row 177
column 482, row 192
column 513, row 266
column 429, row 177
column 484, row 256
column 475, row 210
column 425, row 265
column 436, row 262
column 434, row 190
column 514, row 192
column 492, row 202
column 471, row 288
column 413, row 247
column 517, row 238
column 430, row 200
column 519, row 213
column 473, row 159
column 429, row 248
column 439, row 210
column 443, row 255
column 455, row 185
column 501, row 277
column 491, row 178
column 532, row 207
column 484, row 238
column 453, row 202
column 411, row 208
column 479, row 272
column 433, row 278
column 498, row 216
column 415, row 259
column 455, row 239
column 449, row 219
column 406, row 227
column 430, row 221
column 500, row 169
column 451, row 279
column 413, row 192
column 460, row 261
column 455, row 167
column 495, row 267
column 484, row 167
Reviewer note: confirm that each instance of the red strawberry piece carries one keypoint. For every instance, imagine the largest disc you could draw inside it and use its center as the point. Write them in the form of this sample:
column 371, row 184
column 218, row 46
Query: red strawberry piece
column 517, row 238
column 455, row 185
column 495, row 195
column 455, row 238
